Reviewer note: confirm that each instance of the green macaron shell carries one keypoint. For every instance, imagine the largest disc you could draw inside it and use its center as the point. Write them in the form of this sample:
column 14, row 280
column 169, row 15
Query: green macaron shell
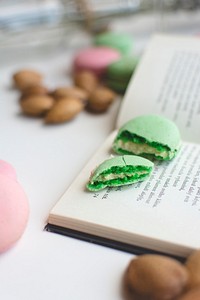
column 116, row 40
column 123, row 68
column 119, row 73
column 117, row 86
column 155, row 131
column 118, row 171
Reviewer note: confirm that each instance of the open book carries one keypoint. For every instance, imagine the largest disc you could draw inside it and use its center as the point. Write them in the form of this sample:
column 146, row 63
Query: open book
column 161, row 214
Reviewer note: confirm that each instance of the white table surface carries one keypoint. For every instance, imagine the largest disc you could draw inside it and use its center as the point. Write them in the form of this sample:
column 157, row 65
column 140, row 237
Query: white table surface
column 44, row 265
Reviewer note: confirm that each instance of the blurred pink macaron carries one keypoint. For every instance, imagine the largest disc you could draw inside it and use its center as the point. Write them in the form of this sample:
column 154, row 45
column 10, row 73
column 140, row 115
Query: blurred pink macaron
column 95, row 59
column 14, row 207
column 7, row 169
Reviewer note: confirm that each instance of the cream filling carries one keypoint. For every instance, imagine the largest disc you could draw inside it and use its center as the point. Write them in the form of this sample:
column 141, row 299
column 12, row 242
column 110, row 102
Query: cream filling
column 141, row 148
column 116, row 176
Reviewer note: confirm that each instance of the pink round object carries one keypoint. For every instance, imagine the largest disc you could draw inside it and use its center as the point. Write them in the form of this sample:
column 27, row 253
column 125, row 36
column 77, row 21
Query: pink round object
column 7, row 170
column 14, row 212
column 95, row 59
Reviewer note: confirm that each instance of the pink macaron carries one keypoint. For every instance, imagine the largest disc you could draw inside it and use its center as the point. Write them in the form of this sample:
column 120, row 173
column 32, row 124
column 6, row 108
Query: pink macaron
column 95, row 59
column 7, row 169
column 14, row 207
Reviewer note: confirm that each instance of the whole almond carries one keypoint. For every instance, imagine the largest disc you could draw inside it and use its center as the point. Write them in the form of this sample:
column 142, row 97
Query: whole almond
column 71, row 92
column 193, row 266
column 128, row 292
column 100, row 99
column 156, row 277
column 64, row 110
column 36, row 105
column 24, row 78
column 86, row 80
column 193, row 294
column 34, row 90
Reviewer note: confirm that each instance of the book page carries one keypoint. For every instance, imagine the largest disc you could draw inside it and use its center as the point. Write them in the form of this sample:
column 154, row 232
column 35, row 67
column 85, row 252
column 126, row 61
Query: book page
column 162, row 213
column 167, row 82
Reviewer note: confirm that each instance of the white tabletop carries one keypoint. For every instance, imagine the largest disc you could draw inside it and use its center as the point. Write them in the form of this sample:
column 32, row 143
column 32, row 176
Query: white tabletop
column 44, row 265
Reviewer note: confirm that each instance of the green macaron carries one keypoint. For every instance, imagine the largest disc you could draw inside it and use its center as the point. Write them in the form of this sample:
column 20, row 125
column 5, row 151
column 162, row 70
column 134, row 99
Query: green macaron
column 117, row 86
column 151, row 136
column 119, row 73
column 118, row 171
column 123, row 68
column 120, row 41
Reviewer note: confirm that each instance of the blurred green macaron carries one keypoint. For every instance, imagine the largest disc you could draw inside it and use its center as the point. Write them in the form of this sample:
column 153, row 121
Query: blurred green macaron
column 119, row 73
column 120, row 41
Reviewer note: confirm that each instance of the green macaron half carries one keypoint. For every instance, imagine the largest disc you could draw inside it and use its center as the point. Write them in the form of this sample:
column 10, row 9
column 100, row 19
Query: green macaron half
column 151, row 136
column 118, row 171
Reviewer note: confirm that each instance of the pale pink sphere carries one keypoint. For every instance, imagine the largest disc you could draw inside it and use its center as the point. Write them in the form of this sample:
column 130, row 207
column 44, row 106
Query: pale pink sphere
column 7, row 169
column 14, row 211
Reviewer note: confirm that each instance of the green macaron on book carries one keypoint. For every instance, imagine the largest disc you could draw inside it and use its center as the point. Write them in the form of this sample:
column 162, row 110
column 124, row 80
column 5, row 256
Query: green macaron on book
column 140, row 191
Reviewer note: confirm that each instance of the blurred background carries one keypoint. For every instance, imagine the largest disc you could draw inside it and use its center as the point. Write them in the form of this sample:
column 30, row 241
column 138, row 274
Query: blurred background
column 38, row 25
